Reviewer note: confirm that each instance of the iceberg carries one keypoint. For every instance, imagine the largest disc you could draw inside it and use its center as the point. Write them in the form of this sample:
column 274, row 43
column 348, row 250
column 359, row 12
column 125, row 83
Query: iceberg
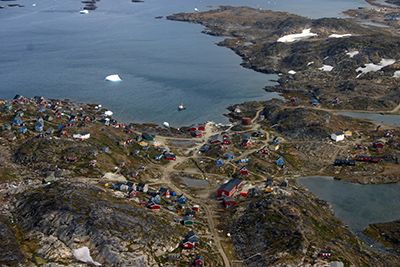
column 113, row 78
column 83, row 254
column 84, row 12
column 166, row 124
column 108, row 113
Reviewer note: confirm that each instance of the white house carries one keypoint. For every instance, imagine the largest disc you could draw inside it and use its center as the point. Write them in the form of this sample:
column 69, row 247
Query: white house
column 338, row 136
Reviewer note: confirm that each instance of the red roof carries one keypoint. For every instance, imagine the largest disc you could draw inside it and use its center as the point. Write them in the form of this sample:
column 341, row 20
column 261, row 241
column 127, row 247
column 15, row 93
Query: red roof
column 188, row 245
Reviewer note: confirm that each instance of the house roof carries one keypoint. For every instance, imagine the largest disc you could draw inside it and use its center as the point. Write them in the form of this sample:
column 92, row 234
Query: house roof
column 231, row 184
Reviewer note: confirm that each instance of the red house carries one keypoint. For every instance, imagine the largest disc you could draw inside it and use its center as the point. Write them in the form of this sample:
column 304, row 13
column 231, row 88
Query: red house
column 227, row 202
column 227, row 142
column 190, row 241
column 196, row 208
column 244, row 171
column 229, row 188
column 196, row 133
column 201, row 127
column 153, row 206
column 188, row 244
column 169, row 156
column 378, row 144
column 198, row 261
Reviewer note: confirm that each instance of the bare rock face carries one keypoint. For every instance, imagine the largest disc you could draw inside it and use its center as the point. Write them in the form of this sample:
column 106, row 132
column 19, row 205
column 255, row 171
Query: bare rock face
column 10, row 253
column 66, row 216
column 51, row 248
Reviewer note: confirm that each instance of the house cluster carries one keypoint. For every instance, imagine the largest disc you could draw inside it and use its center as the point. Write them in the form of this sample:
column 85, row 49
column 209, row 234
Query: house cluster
column 364, row 154
column 154, row 199
column 234, row 189
column 227, row 190
column 197, row 131
column 222, row 139
column 42, row 116
column 166, row 155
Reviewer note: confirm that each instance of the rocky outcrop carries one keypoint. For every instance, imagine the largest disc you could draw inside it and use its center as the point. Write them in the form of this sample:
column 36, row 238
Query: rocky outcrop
column 10, row 252
column 292, row 229
column 386, row 233
column 305, row 123
column 66, row 216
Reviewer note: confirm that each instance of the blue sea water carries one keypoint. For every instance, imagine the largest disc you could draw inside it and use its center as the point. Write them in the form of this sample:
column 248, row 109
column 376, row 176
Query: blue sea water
column 50, row 49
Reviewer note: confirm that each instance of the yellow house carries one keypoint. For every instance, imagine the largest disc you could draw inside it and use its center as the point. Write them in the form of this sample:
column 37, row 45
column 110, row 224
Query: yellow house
column 348, row 133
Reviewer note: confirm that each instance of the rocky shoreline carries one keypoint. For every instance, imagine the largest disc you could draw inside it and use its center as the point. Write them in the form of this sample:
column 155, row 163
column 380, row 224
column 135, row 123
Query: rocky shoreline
column 327, row 66
column 54, row 197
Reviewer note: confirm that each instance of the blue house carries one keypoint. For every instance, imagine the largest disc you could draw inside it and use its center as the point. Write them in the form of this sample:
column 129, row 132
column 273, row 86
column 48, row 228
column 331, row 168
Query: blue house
column 315, row 102
column 245, row 160
column 17, row 121
column 182, row 199
column 156, row 199
column 39, row 125
column 23, row 130
column 280, row 162
column 219, row 162
column 229, row 156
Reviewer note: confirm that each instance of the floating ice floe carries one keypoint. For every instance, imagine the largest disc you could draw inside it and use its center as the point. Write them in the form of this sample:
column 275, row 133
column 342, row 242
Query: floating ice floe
column 339, row 35
column 374, row 67
column 196, row 9
column 34, row 4
column 292, row 72
column 84, row 12
column 113, row 78
column 166, row 124
column 108, row 113
column 83, row 254
column 326, row 68
column 297, row 36
column 396, row 74
column 351, row 54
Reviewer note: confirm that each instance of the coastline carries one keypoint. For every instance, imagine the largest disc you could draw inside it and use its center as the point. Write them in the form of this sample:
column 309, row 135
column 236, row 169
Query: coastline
column 59, row 159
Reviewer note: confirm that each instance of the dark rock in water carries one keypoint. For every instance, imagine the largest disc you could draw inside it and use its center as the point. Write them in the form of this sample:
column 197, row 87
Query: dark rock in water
column 90, row 7
column 10, row 253
column 15, row 5
column 88, row 2
column 159, row 17
column 137, row 1
column 118, row 233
